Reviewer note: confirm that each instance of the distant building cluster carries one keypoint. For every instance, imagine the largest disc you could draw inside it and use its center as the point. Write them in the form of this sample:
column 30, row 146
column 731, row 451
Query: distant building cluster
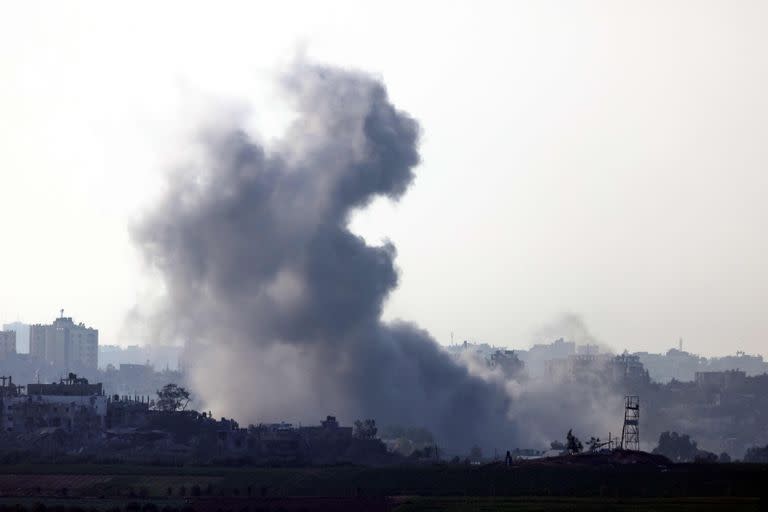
column 159, row 356
column 622, row 368
column 564, row 358
column 44, row 353
column 62, row 343
column 721, row 402
column 75, row 346
column 94, row 400
column 76, row 416
column 677, row 364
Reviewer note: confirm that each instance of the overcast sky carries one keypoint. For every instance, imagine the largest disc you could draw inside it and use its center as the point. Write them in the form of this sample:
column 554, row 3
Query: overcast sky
column 601, row 158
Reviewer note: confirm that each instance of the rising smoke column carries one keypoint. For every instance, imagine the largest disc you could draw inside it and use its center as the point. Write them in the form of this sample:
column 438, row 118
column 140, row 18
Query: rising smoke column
column 278, row 301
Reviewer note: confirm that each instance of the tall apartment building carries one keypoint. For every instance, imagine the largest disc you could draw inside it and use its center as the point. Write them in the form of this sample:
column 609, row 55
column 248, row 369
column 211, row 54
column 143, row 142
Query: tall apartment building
column 7, row 343
column 65, row 344
column 22, row 335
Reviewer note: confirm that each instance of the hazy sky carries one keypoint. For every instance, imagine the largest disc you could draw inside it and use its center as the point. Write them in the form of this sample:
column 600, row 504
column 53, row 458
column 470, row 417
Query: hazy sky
column 602, row 158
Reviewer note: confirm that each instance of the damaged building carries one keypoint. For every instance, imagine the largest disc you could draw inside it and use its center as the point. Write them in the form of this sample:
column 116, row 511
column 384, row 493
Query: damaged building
column 73, row 404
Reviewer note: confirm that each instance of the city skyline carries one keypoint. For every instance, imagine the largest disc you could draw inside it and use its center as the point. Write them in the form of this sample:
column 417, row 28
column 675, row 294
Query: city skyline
column 605, row 345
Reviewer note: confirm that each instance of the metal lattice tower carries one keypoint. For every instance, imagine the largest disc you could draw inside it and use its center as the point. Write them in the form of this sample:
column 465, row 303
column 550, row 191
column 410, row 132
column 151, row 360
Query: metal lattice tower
column 630, row 432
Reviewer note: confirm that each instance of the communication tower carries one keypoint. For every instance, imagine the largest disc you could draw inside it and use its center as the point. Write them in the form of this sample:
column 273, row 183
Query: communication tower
column 630, row 432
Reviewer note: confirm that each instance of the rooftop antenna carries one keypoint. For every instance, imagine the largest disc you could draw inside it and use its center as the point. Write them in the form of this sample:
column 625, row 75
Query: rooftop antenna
column 62, row 313
column 451, row 337
column 681, row 344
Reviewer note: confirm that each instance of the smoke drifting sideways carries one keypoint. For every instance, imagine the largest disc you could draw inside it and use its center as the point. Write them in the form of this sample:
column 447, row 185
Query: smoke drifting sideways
column 278, row 302
column 544, row 407
column 547, row 402
column 571, row 327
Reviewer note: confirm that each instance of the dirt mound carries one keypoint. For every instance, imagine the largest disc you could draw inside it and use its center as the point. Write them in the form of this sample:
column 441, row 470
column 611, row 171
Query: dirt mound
column 608, row 458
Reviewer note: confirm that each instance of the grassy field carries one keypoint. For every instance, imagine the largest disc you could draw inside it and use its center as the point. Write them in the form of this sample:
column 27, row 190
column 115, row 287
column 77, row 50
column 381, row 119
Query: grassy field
column 407, row 488
column 538, row 504
column 391, row 504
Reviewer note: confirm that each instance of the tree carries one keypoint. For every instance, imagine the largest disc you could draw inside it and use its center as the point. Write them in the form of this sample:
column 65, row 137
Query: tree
column 557, row 445
column 677, row 447
column 172, row 398
column 365, row 429
column 757, row 454
column 572, row 443
column 703, row 456
column 417, row 435
column 594, row 444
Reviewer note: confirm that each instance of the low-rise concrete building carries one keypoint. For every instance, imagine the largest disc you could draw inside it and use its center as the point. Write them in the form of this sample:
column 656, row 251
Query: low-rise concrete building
column 72, row 404
column 720, row 381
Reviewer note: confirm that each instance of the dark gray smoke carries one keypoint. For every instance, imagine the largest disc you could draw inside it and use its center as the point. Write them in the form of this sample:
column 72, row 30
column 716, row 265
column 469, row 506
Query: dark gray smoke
column 278, row 302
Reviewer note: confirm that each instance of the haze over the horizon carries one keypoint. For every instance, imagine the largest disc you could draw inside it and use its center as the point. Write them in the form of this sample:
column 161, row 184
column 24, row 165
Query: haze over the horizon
column 602, row 158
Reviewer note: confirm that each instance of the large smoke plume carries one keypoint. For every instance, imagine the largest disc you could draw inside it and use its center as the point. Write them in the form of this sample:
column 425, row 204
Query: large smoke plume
column 279, row 303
